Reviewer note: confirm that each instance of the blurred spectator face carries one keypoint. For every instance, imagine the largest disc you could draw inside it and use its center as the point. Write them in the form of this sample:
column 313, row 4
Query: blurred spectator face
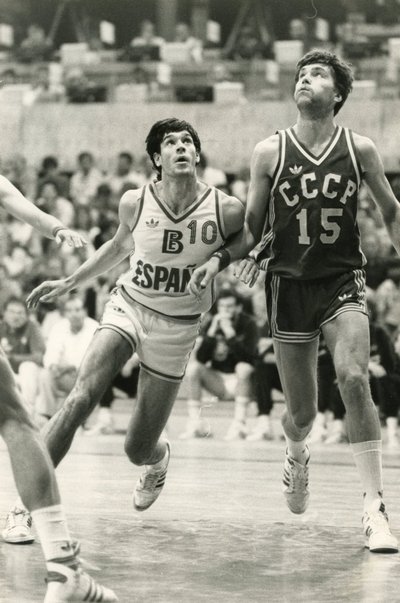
column 228, row 307
column 49, row 192
column 85, row 162
column 36, row 34
column 371, row 246
column 124, row 164
column 182, row 32
column 147, row 31
column 75, row 314
column 15, row 315
column 54, row 267
column 8, row 77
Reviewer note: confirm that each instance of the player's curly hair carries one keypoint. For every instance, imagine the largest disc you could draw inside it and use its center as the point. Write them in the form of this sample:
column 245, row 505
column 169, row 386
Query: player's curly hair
column 342, row 71
column 163, row 127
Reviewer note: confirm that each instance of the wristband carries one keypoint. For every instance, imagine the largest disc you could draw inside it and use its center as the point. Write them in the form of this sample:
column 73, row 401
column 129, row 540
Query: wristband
column 224, row 257
column 57, row 229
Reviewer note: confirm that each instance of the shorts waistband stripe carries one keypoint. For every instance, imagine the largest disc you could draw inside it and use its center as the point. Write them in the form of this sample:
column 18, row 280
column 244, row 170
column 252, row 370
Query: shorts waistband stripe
column 180, row 318
column 160, row 374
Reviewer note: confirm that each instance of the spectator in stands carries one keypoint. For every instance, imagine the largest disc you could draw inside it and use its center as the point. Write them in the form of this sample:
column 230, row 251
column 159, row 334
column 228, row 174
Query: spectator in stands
column 80, row 89
column 19, row 262
column 66, row 345
column 22, row 342
column 8, row 288
column 265, row 379
column 147, row 36
column 249, row 45
column 49, row 170
column 8, row 77
column 223, row 366
column 35, row 47
column 125, row 174
column 85, row 181
column 183, row 35
column 51, row 201
column 210, row 175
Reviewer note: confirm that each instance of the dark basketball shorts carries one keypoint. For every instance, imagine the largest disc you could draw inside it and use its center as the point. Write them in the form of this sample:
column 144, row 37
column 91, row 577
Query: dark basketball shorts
column 297, row 309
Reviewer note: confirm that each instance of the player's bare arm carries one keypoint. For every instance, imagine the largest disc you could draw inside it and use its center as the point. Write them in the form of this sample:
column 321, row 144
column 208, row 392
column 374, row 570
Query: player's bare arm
column 374, row 177
column 14, row 202
column 106, row 257
column 263, row 164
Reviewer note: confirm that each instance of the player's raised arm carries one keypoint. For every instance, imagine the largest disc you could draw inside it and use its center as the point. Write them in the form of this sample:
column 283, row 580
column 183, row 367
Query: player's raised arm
column 14, row 202
column 378, row 184
column 106, row 257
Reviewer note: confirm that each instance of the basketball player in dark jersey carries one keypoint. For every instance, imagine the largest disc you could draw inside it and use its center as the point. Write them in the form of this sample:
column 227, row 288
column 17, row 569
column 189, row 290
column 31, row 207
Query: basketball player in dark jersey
column 31, row 464
column 304, row 188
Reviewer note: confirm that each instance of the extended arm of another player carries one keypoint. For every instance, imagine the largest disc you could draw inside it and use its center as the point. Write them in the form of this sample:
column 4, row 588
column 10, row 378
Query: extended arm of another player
column 242, row 237
column 374, row 176
column 106, row 257
column 16, row 204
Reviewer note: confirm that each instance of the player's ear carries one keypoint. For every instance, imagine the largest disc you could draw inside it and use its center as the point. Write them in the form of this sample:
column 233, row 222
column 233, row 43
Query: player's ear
column 338, row 97
column 157, row 159
column 197, row 157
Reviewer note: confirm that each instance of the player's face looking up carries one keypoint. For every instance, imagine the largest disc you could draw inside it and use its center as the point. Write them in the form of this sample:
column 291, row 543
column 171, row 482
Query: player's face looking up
column 178, row 154
column 315, row 88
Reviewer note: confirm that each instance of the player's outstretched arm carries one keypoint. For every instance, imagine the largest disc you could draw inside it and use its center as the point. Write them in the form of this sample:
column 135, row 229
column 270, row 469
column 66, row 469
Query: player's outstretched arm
column 378, row 184
column 106, row 257
column 16, row 204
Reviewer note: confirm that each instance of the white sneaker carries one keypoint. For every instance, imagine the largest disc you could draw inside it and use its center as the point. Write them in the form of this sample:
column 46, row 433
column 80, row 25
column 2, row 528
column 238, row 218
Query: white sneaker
column 378, row 538
column 67, row 584
column 262, row 430
column 18, row 528
column 149, row 485
column 236, row 431
column 196, row 429
column 295, row 481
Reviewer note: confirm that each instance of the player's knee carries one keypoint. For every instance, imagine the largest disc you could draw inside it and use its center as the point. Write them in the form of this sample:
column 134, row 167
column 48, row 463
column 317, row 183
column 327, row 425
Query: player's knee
column 353, row 381
column 243, row 371
column 304, row 418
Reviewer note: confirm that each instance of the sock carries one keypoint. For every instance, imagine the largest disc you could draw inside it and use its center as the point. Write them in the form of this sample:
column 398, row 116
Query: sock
column 368, row 459
column 240, row 413
column 298, row 451
column 51, row 527
column 194, row 409
column 160, row 464
column 20, row 505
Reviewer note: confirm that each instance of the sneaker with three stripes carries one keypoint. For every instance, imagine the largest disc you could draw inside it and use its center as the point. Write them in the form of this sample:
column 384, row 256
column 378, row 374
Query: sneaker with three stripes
column 150, row 484
column 295, row 482
column 66, row 583
column 378, row 537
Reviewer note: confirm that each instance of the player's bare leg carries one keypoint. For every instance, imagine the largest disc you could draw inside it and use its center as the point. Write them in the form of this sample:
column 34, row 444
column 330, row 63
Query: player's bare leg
column 36, row 483
column 347, row 337
column 144, row 443
column 297, row 366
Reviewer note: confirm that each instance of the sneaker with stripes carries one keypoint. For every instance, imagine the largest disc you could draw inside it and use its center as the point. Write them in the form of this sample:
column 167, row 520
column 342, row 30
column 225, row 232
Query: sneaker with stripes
column 73, row 584
column 18, row 528
column 295, row 481
column 378, row 537
column 150, row 484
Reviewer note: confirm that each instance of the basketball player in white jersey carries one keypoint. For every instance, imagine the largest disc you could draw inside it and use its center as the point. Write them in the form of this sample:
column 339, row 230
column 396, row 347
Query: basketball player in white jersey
column 168, row 228
column 305, row 182
column 31, row 464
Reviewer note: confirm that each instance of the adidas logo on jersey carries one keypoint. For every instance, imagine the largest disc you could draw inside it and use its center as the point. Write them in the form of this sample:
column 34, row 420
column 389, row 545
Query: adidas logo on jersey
column 344, row 296
column 296, row 169
column 152, row 223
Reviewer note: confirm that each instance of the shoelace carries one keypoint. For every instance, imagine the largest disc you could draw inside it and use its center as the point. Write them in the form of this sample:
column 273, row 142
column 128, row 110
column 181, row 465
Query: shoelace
column 299, row 480
column 150, row 479
column 18, row 517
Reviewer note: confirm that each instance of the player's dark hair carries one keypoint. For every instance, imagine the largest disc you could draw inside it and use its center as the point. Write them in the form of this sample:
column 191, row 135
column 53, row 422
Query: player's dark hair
column 225, row 293
column 158, row 132
column 343, row 74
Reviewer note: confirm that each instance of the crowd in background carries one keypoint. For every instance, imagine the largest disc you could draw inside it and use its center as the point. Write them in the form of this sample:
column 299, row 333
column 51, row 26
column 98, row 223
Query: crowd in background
column 87, row 200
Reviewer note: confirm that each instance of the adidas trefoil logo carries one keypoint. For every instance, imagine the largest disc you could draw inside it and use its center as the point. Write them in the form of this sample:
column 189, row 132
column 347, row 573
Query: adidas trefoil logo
column 152, row 223
column 344, row 296
column 296, row 169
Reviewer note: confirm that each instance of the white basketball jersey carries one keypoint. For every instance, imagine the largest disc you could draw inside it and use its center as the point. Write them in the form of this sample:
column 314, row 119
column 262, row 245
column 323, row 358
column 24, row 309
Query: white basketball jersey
column 167, row 248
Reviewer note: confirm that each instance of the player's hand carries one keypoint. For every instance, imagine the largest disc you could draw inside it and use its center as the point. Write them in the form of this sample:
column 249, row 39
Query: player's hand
column 72, row 238
column 247, row 271
column 202, row 276
column 47, row 292
column 376, row 369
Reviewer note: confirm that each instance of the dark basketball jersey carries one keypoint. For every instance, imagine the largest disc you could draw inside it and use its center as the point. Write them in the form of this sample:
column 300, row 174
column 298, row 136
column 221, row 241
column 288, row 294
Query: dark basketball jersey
column 311, row 228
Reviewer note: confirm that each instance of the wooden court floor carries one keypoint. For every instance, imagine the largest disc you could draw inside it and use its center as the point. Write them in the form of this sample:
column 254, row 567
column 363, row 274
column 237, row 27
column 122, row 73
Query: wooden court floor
column 220, row 532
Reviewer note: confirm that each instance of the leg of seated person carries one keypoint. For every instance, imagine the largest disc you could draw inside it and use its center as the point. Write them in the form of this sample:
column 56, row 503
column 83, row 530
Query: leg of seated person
column 28, row 373
column 46, row 405
column 199, row 376
column 242, row 396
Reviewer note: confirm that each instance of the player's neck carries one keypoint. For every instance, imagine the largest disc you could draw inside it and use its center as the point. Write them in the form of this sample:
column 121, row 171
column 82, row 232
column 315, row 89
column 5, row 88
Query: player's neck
column 178, row 193
column 314, row 131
